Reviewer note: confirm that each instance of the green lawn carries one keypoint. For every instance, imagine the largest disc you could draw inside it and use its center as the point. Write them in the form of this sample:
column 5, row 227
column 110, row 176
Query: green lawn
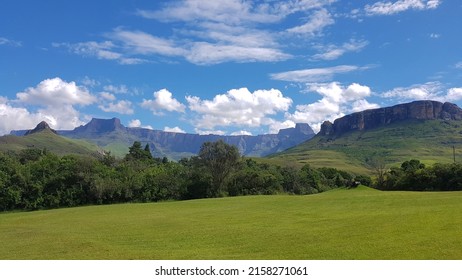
column 341, row 224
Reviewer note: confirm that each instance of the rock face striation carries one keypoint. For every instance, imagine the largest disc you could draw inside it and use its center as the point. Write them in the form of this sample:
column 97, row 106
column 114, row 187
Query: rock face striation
column 417, row 110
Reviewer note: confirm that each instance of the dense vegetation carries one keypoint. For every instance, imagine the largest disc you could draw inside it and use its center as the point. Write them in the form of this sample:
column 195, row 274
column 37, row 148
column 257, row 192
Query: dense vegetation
column 413, row 175
column 37, row 179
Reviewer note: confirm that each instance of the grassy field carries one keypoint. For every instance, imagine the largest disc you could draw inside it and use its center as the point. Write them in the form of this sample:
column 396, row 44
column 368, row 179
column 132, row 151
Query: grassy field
column 429, row 141
column 341, row 224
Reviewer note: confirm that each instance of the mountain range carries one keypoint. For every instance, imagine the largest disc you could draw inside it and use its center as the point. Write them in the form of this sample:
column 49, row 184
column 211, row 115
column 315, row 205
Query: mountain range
column 430, row 131
column 111, row 135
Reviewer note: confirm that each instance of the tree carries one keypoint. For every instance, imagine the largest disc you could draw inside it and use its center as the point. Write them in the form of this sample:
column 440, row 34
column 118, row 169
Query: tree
column 219, row 159
column 135, row 152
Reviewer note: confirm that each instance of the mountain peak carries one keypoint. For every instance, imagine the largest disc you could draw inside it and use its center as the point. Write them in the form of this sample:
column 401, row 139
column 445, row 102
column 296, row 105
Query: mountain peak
column 42, row 126
column 416, row 110
column 100, row 126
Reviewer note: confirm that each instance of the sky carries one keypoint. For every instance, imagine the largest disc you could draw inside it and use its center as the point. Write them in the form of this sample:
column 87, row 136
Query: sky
column 234, row 67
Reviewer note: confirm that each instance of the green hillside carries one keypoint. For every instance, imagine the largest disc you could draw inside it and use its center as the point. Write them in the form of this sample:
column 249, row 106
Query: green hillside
column 342, row 224
column 429, row 141
column 49, row 141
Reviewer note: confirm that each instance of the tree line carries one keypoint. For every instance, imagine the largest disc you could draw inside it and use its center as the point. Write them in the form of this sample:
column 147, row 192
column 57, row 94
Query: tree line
column 413, row 175
column 38, row 179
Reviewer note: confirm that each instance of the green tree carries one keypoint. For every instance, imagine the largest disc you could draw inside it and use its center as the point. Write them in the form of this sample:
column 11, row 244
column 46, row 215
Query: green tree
column 219, row 159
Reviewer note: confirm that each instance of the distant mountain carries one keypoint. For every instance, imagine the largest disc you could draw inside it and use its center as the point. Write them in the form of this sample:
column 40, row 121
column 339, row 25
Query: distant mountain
column 111, row 135
column 43, row 137
column 417, row 110
column 424, row 130
column 42, row 126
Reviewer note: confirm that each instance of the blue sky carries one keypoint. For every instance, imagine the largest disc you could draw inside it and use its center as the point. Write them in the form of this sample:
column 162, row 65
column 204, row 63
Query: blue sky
column 224, row 67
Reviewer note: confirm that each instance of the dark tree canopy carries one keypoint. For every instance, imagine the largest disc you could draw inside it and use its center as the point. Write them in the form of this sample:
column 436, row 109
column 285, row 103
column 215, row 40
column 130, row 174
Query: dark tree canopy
column 220, row 159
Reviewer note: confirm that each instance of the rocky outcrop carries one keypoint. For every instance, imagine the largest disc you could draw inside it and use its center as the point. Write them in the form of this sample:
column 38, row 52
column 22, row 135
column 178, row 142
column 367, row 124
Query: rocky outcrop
column 104, row 132
column 417, row 110
column 42, row 126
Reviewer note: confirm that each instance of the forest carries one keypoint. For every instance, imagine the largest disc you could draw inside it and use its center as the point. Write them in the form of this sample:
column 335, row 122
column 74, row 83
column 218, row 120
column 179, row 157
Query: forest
column 38, row 179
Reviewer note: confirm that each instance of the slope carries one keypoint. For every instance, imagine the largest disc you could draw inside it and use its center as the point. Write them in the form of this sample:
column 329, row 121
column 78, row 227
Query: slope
column 48, row 140
column 430, row 141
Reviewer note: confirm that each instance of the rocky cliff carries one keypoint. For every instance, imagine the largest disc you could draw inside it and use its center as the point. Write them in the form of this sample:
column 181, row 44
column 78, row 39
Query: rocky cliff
column 107, row 132
column 417, row 110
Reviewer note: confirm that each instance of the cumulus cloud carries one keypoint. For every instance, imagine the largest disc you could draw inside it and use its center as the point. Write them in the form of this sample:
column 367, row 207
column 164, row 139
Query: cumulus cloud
column 52, row 100
column 315, row 74
column 336, row 101
column 56, row 92
column 163, row 101
column 454, row 94
column 238, row 107
column 390, row 8
column 137, row 123
column 175, row 129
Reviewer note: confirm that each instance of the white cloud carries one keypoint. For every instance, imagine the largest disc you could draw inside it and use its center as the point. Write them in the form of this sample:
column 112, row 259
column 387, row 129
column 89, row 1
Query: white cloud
column 241, row 132
column 203, row 53
column 137, row 123
column 52, row 100
column 144, row 43
column 238, row 107
column 134, row 123
column 107, row 96
column 122, row 107
column 121, row 89
column 106, row 50
column 315, row 74
column 213, row 32
column 316, row 23
column 15, row 118
column 458, row 65
column 175, row 129
column 435, row 35
column 454, row 94
column 390, row 8
column 163, row 101
column 275, row 126
column 8, row 42
column 331, row 52
column 336, row 101
column 56, row 92
column 427, row 91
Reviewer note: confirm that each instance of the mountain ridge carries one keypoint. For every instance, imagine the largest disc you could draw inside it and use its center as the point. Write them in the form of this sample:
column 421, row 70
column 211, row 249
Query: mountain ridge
column 112, row 135
column 429, row 131
column 372, row 118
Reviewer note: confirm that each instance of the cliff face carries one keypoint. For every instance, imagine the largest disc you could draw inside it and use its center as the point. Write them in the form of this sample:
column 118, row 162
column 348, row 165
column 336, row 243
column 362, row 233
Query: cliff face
column 417, row 110
column 106, row 131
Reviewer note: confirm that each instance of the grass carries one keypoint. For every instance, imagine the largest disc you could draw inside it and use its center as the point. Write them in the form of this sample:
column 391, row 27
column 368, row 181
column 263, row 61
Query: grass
column 340, row 224
column 47, row 140
column 429, row 141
